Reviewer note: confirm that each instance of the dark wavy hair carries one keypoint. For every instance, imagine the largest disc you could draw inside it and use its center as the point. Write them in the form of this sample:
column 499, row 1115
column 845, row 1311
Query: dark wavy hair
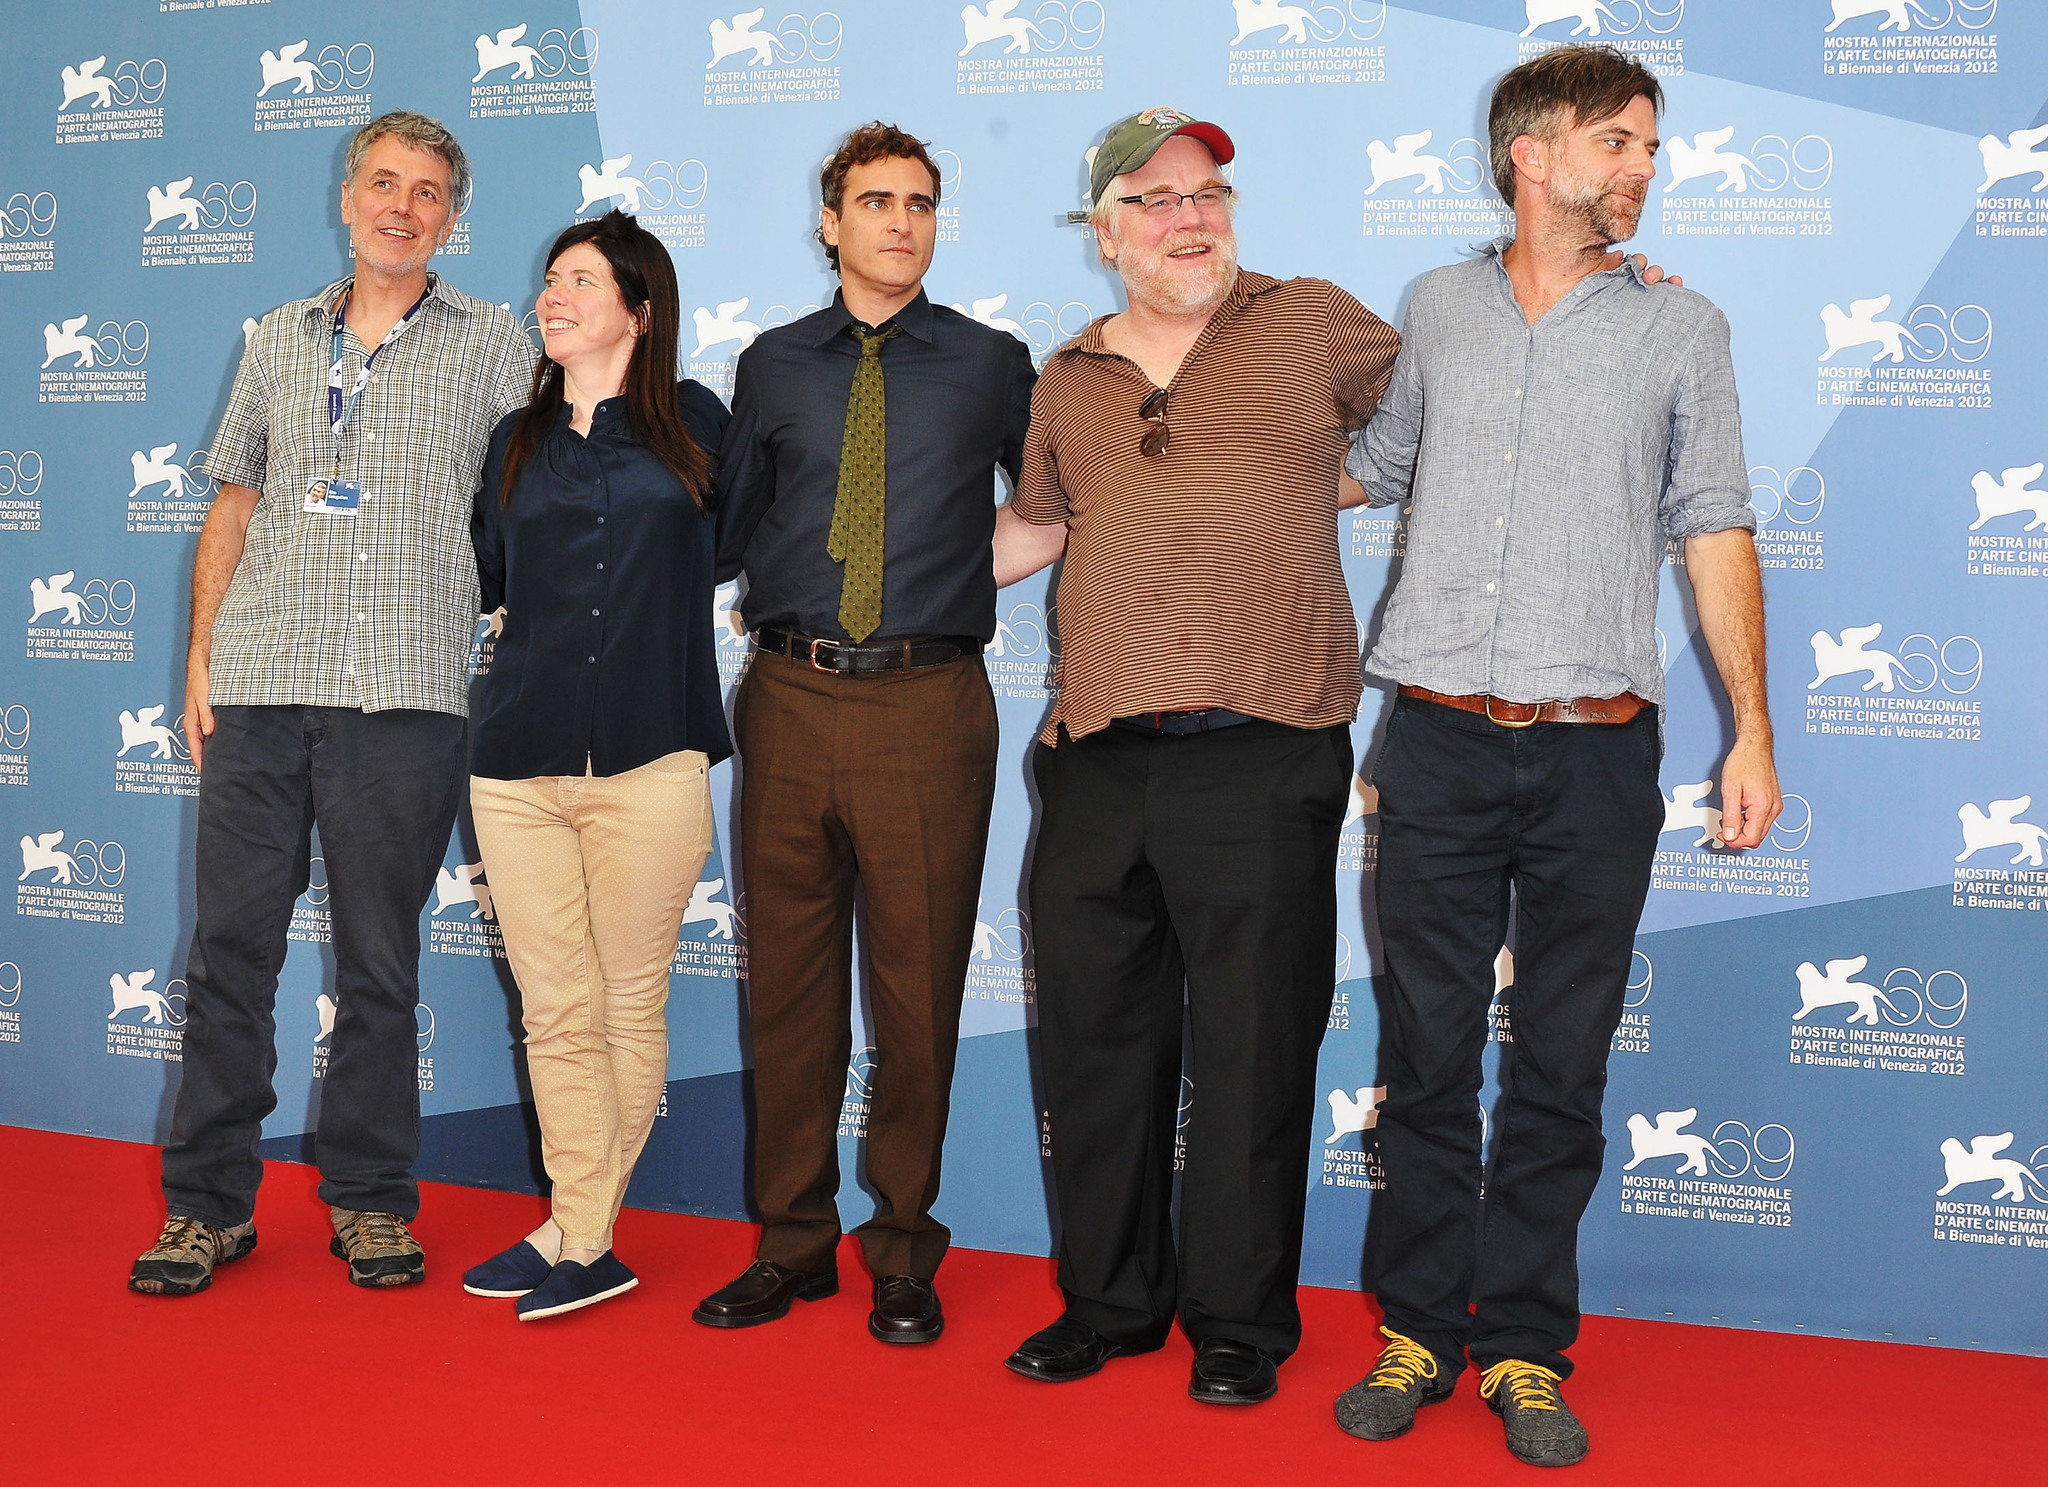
column 864, row 146
column 1559, row 90
column 647, row 283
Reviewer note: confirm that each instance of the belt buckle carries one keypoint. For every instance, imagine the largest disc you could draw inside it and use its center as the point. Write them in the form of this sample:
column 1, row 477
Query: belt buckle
column 823, row 640
column 1535, row 712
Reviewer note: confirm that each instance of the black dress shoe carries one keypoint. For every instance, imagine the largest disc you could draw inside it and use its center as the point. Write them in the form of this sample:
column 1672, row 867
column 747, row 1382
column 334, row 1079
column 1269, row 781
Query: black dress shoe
column 1228, row 1372
column 1065, row 1351
column 906, row 1310
column 762, row 1294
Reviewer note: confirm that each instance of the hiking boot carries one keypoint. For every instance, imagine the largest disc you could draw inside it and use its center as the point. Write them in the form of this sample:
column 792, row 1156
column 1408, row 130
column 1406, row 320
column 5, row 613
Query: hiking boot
column 1542, row 1430
column 181, row 1261
column 1382, row 1405
column 380, row 1250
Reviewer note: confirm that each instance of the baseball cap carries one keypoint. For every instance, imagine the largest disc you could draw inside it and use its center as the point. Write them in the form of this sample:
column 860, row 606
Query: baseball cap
column 1131, row 142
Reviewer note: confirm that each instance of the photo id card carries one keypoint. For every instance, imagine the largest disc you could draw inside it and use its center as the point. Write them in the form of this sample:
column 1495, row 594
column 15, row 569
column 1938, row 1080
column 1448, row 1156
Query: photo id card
column 333, row 497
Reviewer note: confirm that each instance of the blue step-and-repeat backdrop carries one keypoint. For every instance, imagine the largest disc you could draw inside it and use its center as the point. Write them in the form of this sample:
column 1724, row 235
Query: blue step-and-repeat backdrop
column 1827, row 1110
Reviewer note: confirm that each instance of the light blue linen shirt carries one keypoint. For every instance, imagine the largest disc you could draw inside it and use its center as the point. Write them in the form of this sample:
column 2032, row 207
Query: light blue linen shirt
column 1547, row 465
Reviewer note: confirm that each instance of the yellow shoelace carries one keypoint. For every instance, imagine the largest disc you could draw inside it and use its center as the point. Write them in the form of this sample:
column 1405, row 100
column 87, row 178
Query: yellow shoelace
column 1531, row 1386
column 1404, row 1362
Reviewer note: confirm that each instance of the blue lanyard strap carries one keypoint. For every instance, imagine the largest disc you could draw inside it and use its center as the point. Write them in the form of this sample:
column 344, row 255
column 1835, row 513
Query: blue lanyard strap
column 339, row 410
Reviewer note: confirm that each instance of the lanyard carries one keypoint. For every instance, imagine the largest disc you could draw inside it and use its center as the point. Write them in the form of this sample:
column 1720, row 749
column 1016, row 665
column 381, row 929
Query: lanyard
column 338, row 410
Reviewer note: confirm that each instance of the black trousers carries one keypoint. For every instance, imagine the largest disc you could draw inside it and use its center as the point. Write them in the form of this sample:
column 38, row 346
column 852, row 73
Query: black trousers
column 384, row 788
column 1568, row 814
column 1185, row 876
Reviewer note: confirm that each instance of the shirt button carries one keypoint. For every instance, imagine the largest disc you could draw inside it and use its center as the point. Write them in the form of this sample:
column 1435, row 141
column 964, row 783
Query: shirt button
column 369, row 436
column 359, row 617
column 600, row 567
column 593, row 612
column 362, row 557
column 1500, row 521
column 1509, row 456
column 1489, row 588
column 1518, row 392
column 600, row 521
column 591, row 659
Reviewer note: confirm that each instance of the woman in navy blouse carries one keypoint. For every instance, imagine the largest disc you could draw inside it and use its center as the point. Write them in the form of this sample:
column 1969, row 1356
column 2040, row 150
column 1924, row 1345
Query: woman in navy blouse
column 596, row 727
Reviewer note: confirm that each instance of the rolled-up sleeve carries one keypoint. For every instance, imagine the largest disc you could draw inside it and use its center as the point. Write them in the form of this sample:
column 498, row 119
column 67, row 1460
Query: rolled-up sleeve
column 1706, row 481
column 1382, row 457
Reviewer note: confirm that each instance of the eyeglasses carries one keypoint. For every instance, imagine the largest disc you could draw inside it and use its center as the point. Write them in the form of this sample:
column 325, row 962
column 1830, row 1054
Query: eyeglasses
column 1164, row 204
column 1158, row 436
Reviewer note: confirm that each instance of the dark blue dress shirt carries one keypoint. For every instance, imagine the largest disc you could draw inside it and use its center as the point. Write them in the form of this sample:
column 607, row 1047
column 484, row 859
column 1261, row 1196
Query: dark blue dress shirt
column 603, row 565
column 957, row 396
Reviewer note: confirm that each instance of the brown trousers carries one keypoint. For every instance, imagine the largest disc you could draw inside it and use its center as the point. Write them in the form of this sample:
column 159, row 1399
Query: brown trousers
column 886, row 780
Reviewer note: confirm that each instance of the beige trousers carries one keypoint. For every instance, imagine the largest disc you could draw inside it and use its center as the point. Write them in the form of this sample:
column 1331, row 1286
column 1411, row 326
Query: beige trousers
column 589, row 877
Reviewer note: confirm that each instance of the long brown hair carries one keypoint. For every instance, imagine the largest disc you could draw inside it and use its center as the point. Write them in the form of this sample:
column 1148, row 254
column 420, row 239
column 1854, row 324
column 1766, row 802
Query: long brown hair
column 647, row 283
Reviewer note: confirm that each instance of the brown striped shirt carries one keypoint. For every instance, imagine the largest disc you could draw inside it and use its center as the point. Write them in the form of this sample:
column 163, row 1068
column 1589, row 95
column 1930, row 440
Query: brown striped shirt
column 1209, row 575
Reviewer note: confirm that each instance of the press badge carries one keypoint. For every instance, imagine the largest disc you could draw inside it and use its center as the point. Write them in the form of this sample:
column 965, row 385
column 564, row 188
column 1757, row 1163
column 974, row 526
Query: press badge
column 333, row 497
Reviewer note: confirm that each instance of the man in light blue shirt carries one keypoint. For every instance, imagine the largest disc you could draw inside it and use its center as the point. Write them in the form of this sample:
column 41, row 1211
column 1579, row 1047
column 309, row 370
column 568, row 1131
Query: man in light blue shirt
column 1555, row 423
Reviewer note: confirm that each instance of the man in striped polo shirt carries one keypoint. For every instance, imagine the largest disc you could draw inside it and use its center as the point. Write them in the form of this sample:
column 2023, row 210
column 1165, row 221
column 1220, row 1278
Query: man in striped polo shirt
column 1185, row 456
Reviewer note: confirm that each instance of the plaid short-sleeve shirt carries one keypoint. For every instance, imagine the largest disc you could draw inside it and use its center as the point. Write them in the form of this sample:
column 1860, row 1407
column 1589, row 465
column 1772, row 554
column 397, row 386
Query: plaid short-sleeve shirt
column 373, row 609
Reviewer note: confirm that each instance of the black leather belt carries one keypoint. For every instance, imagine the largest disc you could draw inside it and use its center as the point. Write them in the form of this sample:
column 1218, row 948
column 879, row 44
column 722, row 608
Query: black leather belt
column 1195, row 720
column 844, row 657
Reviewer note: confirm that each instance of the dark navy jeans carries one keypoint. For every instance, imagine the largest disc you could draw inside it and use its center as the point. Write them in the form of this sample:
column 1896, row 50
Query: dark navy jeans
column 1567, row 814
column 384, row 788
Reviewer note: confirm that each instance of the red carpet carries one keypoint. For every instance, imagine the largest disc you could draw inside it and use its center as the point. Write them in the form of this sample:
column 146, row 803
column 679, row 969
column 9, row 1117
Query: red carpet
column 283, row 1373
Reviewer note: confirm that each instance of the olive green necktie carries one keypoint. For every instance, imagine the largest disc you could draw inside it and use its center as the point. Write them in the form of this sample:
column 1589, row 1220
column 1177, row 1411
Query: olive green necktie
column 856, row 538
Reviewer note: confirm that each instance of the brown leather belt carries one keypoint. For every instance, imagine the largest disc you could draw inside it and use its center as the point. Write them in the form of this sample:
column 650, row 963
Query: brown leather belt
column 1524, row 714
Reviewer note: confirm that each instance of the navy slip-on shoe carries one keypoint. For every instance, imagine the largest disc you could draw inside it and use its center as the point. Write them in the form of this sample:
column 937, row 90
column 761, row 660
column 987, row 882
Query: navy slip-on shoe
column 513, row 1273
column 570, row 1287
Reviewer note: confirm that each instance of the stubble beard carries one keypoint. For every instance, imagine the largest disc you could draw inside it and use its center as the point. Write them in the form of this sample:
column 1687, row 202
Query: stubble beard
column 1153, row 279
column 1592, row 206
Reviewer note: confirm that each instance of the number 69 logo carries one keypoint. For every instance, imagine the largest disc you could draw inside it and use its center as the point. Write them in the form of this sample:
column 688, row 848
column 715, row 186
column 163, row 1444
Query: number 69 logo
column 1766, row 1152
column 1798, row 495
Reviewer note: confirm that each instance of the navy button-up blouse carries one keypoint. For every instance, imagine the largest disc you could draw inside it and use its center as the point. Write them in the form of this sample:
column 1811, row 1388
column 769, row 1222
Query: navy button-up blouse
column 602, row 564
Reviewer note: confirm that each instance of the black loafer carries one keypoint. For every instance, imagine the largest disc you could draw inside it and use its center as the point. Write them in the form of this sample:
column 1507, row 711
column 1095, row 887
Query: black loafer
column 1065, row 1351
column 763, row 1293
column 906, row 1310
column 1228, row 1372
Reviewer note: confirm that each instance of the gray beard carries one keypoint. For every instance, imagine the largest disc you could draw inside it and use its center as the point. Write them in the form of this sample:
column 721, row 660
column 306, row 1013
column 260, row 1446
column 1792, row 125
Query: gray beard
column 1587, row 205
column 1149, row 282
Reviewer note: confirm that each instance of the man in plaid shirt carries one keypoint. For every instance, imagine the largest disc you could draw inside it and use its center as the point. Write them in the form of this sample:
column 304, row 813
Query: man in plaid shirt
column 333, row 603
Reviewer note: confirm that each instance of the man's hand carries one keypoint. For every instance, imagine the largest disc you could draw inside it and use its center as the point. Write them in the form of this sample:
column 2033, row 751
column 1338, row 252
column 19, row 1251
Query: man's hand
column 213, row 569
column 198, row 714
column 1750, row 797
column 1651, row 273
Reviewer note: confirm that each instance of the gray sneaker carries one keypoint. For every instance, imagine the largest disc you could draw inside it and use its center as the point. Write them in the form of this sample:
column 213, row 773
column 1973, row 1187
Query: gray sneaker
column 1542, row 1430
column 1382, row 1405
column 380, row 1250
column 181, row 1261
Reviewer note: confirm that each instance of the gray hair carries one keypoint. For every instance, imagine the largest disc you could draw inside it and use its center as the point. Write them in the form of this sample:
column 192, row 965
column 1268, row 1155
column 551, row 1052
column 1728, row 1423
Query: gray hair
column 422, row 133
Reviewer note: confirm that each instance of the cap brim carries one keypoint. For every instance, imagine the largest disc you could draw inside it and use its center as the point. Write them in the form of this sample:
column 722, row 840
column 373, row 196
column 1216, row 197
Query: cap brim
column 1215, row 139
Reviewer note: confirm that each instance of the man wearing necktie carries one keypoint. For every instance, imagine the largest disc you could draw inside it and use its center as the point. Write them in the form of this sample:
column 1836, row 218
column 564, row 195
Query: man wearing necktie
column 856, row 492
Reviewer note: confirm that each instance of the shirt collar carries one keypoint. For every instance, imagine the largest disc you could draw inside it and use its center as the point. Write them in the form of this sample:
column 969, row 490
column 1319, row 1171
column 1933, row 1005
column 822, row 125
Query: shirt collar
column 609, row 415
column 1497, row 251
column 915, row 318
column 439, row 292
column 1249, row 286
